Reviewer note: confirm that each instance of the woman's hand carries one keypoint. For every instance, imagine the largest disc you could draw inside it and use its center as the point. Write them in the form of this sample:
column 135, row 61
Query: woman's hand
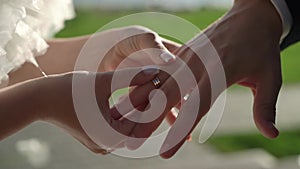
column 62, row 55
column 51, row 99
column 136, row 46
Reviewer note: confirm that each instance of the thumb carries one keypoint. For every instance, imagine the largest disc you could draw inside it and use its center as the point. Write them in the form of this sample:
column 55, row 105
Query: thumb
column 170, row 45
column 266, row 94
column 154, row 47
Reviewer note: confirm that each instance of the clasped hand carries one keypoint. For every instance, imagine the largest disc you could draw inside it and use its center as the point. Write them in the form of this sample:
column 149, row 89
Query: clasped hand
column 247, row 42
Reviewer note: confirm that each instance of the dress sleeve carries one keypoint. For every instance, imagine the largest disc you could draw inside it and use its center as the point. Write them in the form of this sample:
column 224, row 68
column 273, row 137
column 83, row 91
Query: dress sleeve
column 294, row 35
column 24, row 27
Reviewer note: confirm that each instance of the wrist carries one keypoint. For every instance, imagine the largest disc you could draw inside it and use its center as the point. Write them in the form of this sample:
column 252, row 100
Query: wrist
column 285, row 16
column 18, row 107
column 263, row 13
column 50, row 93
column 38, row 97
column 26, row 97
column 55, row 98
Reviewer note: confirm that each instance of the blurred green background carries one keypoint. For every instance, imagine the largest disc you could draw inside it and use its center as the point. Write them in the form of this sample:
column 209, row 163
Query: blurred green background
column 89, row 21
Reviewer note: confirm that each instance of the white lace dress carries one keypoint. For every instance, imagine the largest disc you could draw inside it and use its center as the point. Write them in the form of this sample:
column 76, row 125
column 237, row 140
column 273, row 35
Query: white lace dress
column 24, row 26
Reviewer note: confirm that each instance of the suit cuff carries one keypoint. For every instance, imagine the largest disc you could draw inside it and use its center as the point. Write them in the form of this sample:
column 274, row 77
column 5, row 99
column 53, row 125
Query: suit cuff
column 285, row 15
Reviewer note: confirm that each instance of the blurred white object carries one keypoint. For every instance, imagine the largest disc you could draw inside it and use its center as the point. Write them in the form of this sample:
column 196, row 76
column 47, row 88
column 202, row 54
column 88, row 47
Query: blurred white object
column 24, row 25
column 35, row 151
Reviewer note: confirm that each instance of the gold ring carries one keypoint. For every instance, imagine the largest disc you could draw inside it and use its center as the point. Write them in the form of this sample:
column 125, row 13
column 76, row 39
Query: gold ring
column 156, row 82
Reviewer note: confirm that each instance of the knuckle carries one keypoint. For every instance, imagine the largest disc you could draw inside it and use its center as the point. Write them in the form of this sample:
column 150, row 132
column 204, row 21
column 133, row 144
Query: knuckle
column 149, row 35
column 147, row 40
column 139, row 37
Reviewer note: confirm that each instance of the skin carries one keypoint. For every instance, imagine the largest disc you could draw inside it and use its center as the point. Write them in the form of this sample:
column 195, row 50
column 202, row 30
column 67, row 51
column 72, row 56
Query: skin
column 50, row 98
column 62, row 54
column 247, row 41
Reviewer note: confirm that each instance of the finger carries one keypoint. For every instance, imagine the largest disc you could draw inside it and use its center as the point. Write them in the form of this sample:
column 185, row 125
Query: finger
column 139, row 95
column 127, row 123
column 170, row 45
column 172, row 95
column 139, row 102
column 265, row 99
column 148, row 122
column 153, row 41
column 188, row 118
column 172, row 116
column 108, row 82
column 135, row 142
column 104, row 88
column 138, row 76
column 131, row 142
column 132, row 101
column 114, row 112
column 156, row 113
column 143, row 130
column 184, row 76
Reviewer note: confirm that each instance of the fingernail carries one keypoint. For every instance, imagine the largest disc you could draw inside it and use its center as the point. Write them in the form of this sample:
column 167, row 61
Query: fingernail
column 189, row 138
column 175, row 111
column 167, row 57
column 150, row 70
column 186, row 97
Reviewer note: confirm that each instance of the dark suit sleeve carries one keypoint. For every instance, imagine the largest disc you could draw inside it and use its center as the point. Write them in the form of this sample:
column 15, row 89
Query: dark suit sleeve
column 294, row 35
